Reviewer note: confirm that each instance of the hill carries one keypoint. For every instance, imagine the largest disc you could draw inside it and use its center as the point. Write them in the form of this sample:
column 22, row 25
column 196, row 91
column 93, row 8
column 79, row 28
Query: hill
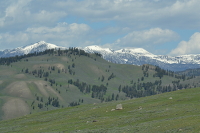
column 63, row 78
column 176, row 111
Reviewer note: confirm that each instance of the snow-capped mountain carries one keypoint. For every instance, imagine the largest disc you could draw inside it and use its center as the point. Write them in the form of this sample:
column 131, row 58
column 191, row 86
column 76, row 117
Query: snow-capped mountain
column 36, row 47
column 135, row 56
column 139, row 56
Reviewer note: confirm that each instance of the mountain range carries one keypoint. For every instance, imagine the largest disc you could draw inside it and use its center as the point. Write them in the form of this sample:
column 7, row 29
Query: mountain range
column 135, row 56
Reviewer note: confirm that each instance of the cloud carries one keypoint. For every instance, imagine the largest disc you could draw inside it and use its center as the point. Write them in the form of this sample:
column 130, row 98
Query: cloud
column 20, row 14
column 190, row 47
column 141, row 14
column 114, row 30
column 146, row 38
column 138, row 14
column 62, row 34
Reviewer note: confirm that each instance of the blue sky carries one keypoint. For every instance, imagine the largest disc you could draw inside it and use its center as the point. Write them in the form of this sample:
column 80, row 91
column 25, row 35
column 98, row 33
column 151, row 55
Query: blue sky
column 169, row 27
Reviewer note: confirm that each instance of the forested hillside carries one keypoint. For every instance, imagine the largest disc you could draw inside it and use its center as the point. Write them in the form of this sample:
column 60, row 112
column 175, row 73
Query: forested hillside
column 61, row 78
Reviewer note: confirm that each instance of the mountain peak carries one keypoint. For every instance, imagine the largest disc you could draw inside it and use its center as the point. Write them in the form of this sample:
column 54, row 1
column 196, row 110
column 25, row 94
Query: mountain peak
column 41, row 42
column 36, row 47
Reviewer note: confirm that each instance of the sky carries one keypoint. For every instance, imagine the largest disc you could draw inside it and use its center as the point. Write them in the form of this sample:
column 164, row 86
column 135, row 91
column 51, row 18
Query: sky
column 162, row 27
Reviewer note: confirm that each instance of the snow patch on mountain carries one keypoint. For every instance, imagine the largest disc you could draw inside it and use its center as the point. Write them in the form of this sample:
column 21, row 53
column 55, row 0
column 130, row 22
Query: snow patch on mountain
column 139, row 51
column 95, row 48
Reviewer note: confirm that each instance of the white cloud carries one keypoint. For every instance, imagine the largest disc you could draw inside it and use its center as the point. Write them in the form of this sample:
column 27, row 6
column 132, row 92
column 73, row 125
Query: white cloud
column 146, row 38
column 118, row 30
column 63, row 34
column 143, row 13
column 190, row 47
column 21, row 13
column 140, row 14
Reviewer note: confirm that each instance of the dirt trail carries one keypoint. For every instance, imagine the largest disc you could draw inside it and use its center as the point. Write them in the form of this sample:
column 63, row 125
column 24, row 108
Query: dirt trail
column 19, row 89
column 15, row 107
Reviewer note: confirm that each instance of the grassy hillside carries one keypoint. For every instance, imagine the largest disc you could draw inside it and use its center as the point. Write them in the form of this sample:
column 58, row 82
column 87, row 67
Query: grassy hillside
column 176, row 111
column 67, row 78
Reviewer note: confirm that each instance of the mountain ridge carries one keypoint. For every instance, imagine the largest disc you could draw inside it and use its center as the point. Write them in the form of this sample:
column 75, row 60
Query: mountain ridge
column 140, row 56
column 134, row 56
column 36, row 47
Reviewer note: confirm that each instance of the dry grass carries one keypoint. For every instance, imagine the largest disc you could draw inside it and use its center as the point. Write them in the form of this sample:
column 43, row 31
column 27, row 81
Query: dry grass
column 47, row 90
column 19, row 89
column 15, row 107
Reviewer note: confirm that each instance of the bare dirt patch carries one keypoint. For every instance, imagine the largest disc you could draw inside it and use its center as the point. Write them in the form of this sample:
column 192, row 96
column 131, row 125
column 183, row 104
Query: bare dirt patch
column 15, row 107
column 46, row 90
column 19, row 89
column 1, row 81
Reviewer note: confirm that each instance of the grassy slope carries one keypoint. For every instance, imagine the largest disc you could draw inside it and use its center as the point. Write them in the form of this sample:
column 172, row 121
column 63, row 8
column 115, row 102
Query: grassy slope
column 169, row 112
column 87, row 69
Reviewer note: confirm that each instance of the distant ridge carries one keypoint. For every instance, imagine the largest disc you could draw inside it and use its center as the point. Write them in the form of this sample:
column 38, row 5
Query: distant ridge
column 134, row 56
column 139, row 56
